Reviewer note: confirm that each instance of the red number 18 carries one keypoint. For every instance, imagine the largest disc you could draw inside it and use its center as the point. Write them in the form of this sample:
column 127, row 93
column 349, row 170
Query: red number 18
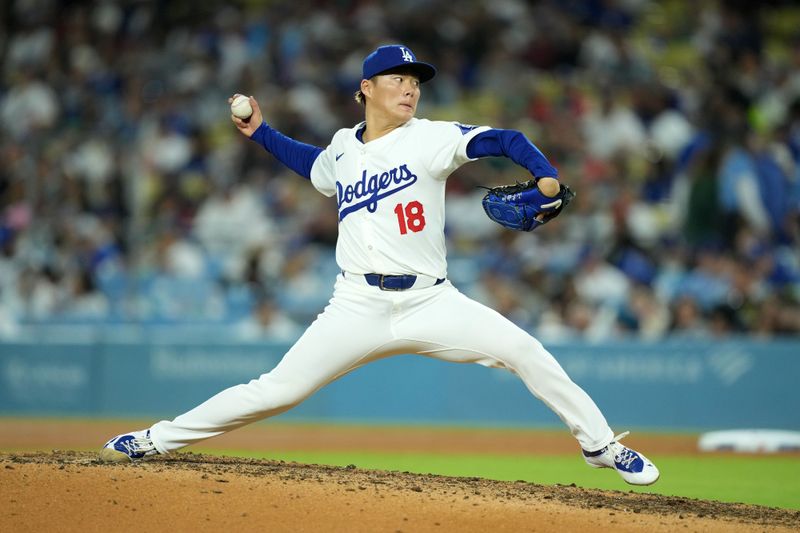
column 410, row 218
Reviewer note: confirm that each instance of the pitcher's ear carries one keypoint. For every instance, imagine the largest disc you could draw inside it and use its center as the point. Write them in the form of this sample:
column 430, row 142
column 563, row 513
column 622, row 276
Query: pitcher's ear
column 366, row 87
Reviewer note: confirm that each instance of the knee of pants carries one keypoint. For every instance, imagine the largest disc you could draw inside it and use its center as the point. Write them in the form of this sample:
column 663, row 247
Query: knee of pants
column 268, row 394
column 525, row 351
column 530, row 359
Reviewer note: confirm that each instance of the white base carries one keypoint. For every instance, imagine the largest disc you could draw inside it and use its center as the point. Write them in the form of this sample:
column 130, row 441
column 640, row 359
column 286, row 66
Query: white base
column 750, row 441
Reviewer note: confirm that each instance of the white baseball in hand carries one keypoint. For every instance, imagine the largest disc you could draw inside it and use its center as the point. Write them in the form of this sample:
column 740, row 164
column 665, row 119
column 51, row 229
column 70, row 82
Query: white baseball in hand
column 549, row 186
column 240, row 107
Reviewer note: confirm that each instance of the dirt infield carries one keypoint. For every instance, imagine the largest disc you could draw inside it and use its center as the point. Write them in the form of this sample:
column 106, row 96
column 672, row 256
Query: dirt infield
column 44, row 490
column 71, row 491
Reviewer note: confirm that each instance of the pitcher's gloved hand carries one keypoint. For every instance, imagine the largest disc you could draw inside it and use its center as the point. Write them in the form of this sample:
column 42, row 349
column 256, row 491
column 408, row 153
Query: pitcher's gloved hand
column 523, row 206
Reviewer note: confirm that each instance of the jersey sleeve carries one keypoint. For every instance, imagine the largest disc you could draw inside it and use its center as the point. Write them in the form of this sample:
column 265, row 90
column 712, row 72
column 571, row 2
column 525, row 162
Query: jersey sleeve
column 292, row 153
column 513, row 145
column 323, row 172
column 446, row 145
column 323, row 177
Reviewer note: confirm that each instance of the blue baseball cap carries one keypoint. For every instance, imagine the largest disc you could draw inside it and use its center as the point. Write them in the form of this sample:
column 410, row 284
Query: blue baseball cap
column 393, row 56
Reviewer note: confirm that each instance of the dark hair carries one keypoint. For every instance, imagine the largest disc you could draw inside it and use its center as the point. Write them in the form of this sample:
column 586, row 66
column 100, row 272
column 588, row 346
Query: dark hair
column 359, row 97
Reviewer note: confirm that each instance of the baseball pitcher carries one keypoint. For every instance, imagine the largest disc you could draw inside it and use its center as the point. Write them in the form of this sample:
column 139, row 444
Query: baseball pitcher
column 388, row 175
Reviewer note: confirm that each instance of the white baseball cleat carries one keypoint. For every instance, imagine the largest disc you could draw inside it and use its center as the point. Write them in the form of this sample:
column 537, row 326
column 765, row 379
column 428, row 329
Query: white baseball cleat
column 634, row 467
column 128, row 447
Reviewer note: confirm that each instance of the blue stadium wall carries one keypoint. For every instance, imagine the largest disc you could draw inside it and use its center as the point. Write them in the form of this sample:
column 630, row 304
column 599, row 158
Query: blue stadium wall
column 664, row 385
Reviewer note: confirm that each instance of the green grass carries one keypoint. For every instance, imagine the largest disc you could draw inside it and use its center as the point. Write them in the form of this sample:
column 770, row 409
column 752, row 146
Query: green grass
column 771, row 481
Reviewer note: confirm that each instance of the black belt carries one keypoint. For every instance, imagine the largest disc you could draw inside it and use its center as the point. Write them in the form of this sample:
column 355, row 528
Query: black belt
column 394, row 283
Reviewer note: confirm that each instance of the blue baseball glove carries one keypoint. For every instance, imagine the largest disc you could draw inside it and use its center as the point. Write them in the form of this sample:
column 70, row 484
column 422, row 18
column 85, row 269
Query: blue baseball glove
column 523, row 207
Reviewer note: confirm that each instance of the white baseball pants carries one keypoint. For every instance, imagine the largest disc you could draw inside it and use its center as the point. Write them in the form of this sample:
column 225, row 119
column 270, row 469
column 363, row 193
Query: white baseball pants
column 363, row 324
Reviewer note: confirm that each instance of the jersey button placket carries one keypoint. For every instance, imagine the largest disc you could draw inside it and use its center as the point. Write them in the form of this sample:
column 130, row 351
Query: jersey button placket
column 366, row 230
column 369, row 239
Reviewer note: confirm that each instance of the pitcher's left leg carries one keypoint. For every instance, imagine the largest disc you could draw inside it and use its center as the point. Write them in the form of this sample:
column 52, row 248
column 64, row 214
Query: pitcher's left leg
column 452, row 327
column 466, row 331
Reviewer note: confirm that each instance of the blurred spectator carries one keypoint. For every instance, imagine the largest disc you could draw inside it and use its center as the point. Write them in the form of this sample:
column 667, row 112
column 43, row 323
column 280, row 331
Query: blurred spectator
column 229, row 224
column 687, row 320
column 703, row 224
column 29, row 106
column 84, row 301
column 613, row 127
column 740, row 197
column 598, row 282
column 644, row 315
column 268, row 321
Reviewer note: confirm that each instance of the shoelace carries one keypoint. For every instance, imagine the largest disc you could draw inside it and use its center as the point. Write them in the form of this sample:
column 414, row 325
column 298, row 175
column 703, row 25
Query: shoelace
column 138, row 445
column 623, row 455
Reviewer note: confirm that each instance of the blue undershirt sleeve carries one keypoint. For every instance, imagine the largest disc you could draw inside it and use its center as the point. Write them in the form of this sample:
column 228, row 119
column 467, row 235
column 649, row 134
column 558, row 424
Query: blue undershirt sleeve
column 513, row 145
column 297, row 156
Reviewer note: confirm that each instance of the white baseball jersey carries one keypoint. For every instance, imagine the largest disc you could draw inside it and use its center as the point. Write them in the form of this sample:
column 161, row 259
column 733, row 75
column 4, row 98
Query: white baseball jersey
column 390, row 193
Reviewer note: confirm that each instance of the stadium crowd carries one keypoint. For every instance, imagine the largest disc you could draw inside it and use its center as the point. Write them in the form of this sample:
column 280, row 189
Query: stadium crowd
column 128, row 196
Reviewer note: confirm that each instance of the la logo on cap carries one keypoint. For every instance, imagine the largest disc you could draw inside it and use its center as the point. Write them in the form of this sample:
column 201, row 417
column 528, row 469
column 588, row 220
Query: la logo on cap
column 391, row 56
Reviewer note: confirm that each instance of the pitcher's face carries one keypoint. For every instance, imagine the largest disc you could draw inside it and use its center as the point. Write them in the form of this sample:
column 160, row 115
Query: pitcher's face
column 394, row 95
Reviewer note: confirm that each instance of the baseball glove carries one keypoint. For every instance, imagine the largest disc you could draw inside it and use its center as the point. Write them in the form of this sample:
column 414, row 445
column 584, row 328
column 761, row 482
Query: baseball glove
column 523, row 207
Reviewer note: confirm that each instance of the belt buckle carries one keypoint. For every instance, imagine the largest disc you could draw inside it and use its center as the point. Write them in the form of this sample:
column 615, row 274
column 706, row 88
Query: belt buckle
column 384, row 288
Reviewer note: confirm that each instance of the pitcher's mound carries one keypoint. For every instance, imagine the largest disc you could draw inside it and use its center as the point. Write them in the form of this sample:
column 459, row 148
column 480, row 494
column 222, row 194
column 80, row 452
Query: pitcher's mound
column 72, row 491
